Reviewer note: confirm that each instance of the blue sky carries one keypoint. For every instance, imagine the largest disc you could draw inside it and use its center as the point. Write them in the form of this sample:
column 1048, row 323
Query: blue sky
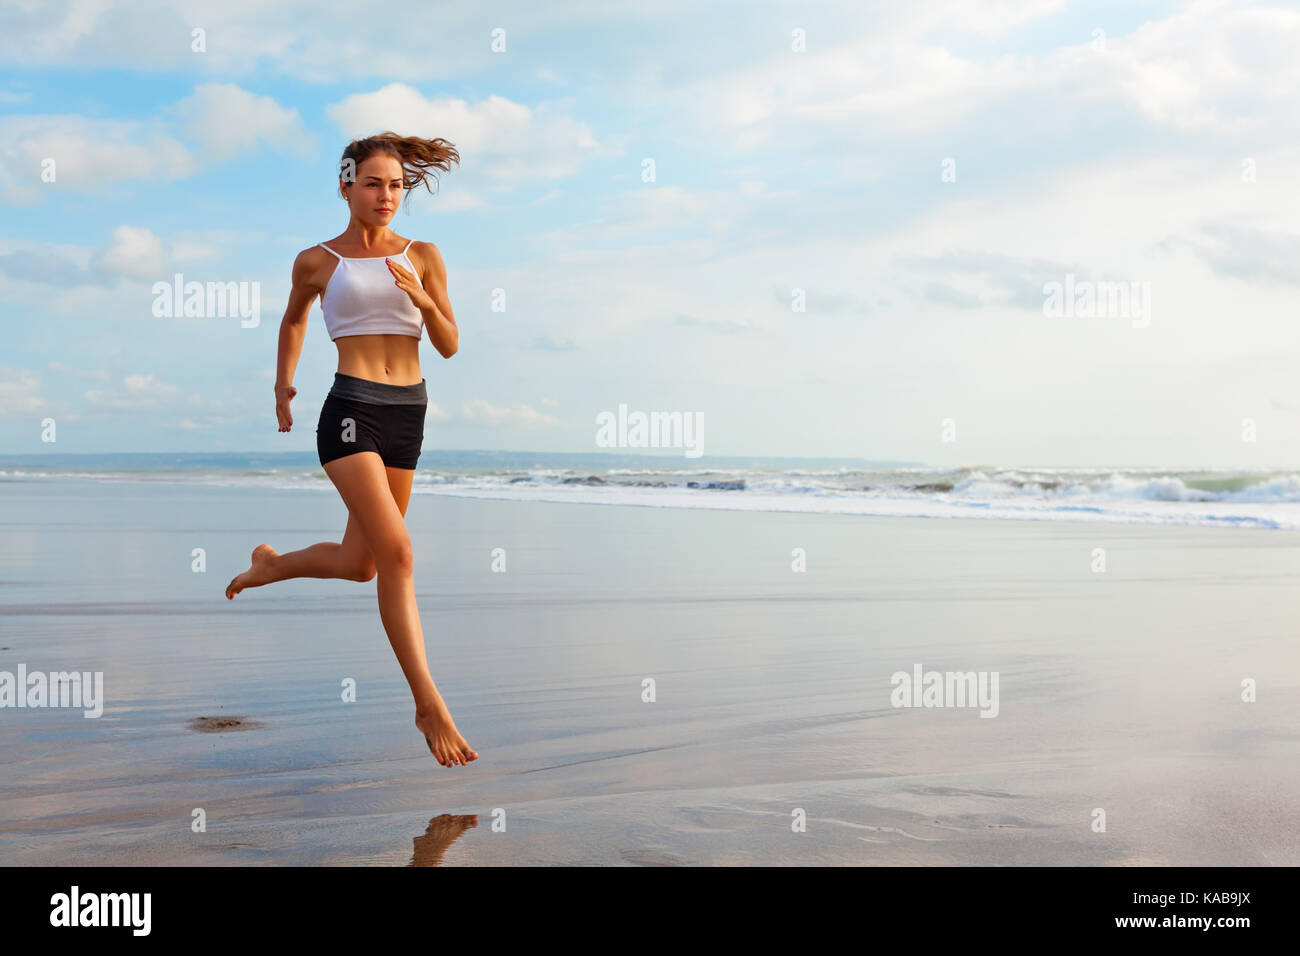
column 1111, row 156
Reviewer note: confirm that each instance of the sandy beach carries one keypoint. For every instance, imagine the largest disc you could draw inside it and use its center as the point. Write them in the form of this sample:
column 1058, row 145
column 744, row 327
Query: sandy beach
column 1118, row 690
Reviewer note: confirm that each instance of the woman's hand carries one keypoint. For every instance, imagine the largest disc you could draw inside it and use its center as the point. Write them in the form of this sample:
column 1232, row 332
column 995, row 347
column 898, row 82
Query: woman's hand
column 283, row 395
column 407, row 282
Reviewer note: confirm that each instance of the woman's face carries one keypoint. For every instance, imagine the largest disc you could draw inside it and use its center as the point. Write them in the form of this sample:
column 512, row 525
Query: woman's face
column 377, row 192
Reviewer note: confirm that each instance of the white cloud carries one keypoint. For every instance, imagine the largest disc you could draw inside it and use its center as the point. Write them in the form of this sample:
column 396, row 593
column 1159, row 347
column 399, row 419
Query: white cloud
column 1211, row 66
column 508, row 143
column 636, row 214
column 19, row 392
column 248, row 36
column 456, row 202
column 226, row 121
column 481, row 412
column 85, row 155
column 134, row 252
column 38, row 32
column 90, row 155
column 1215, row 65
column 86, row 374
column 137, row 393
column 191, row 250
column 989, row 18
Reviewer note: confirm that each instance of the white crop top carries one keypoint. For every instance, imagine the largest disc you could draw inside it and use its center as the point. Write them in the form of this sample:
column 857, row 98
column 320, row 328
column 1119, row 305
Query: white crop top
column 362, row 298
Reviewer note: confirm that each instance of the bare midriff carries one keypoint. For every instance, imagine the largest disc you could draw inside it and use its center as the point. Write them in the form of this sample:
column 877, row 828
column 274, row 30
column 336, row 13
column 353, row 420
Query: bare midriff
column 391, row 359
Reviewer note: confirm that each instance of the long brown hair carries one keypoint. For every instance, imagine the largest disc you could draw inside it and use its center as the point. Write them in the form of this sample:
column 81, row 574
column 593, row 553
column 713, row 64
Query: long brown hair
column 419, row 157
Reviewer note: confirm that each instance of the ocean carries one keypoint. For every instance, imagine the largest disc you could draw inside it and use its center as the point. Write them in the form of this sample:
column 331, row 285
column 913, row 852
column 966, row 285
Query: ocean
column 1223, row 497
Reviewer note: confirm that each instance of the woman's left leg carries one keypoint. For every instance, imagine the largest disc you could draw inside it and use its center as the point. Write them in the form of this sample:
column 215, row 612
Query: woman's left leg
column 349, row 559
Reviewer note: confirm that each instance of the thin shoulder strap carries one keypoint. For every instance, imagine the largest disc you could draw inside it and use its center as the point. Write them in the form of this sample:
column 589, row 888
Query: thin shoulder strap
column 323, row 246
column 408, row 247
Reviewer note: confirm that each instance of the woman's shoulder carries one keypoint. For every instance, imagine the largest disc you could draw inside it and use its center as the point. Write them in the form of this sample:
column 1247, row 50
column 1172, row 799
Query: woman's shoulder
column 426, row 253
column 315, row 252
column 310, row 265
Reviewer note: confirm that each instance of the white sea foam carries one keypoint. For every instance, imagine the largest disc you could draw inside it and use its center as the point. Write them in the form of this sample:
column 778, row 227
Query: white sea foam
column 1224, row 497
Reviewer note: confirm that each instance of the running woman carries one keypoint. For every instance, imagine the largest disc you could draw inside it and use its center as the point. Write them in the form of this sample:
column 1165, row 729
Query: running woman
column 378, row 292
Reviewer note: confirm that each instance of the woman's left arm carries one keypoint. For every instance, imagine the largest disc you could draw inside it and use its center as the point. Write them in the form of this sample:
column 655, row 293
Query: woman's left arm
column 430, row 296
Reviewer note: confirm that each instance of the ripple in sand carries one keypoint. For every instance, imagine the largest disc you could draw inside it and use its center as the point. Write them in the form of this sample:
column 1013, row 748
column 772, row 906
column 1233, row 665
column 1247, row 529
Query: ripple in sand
column 217, row 725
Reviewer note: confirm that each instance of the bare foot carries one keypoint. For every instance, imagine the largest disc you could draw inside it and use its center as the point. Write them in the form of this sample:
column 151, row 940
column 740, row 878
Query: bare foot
column 257, row 573
column 440, row 733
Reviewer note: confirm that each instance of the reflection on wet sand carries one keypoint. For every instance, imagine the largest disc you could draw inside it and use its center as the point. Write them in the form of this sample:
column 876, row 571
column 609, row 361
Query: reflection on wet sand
column 442, row 832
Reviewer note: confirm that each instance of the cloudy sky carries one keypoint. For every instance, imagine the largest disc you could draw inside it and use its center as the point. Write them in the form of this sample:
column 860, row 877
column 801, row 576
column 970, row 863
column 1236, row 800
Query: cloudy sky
column 855, row 211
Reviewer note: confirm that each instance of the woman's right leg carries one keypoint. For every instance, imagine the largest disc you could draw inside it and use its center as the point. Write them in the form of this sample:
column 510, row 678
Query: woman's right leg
column 363, row 484
column 344, row 428
column 349, row 560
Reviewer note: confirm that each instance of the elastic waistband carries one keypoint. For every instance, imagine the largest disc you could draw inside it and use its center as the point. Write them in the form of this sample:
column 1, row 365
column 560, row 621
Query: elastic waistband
column 378, row 393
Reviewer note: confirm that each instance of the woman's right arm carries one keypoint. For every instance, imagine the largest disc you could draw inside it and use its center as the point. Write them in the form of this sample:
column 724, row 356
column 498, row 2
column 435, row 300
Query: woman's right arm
column 293, row 329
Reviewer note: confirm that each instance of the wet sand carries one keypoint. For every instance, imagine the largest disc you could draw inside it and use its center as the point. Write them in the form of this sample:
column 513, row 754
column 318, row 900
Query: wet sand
column 1118, row 690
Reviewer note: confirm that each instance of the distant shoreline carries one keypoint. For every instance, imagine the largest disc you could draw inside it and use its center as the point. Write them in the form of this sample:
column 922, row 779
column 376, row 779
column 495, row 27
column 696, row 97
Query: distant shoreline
column 1225, row 498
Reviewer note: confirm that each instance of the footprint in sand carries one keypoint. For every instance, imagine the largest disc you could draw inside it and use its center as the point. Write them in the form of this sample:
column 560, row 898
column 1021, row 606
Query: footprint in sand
column 216, row 725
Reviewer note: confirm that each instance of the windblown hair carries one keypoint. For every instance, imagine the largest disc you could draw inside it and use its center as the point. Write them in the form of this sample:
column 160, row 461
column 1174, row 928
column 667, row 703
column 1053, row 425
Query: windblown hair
column 419, row 157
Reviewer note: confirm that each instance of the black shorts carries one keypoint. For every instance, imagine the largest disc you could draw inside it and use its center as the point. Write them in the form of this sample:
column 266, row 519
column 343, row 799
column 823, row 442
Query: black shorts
column 360, row 415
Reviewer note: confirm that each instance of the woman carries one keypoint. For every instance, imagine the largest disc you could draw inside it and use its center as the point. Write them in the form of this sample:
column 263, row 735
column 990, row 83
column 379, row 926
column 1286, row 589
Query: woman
column 371, row 425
